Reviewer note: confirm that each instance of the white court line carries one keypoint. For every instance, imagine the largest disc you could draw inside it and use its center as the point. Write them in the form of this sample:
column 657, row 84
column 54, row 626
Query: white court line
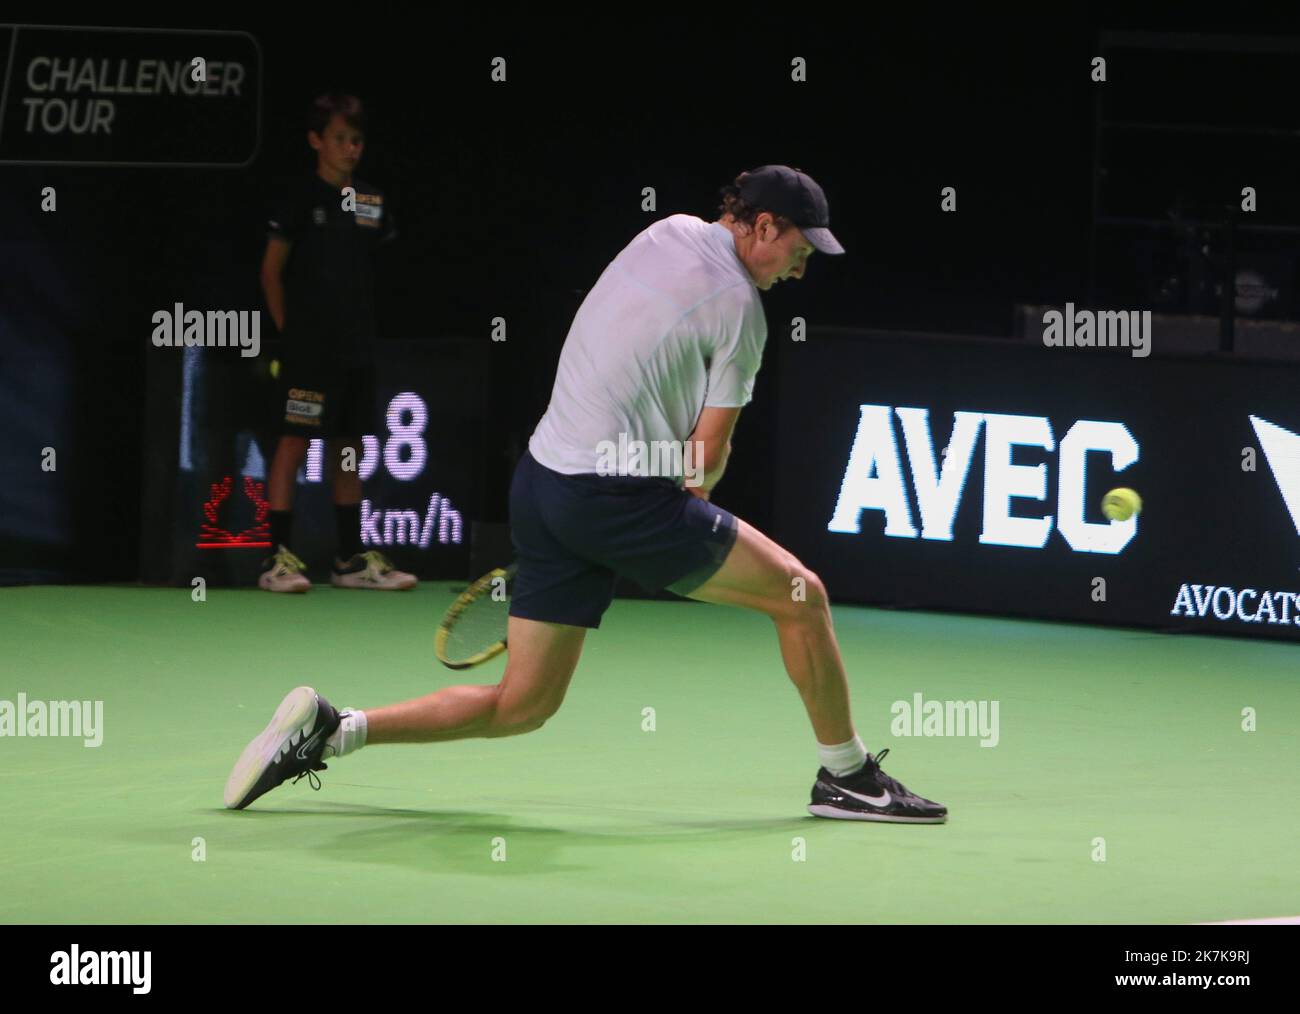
column 1282, row 920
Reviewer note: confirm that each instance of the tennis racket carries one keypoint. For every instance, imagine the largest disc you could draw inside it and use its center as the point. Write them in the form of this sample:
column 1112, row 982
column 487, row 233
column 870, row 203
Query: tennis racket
column 473, row 630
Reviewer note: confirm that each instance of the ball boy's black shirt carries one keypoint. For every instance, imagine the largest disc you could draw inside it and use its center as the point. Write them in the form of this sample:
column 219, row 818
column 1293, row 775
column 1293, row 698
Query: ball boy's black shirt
column 329, row 279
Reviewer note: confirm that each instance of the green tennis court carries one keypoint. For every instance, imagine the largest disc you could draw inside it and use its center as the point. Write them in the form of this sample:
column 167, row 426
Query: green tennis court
column 1130, row 737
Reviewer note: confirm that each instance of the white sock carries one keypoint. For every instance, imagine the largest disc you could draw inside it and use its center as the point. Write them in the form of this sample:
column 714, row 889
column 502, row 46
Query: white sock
column 349, row 736
column 843, row 758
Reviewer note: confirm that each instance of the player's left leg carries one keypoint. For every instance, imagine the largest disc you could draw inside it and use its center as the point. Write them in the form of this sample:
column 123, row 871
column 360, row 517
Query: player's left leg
column 306, row 730
column 542, row 659
column 355, row 566
column 353, row 413
column 558, row 597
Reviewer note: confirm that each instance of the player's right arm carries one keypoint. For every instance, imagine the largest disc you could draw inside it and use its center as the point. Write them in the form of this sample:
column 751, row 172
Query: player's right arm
column 273, row 262
column 711, row 443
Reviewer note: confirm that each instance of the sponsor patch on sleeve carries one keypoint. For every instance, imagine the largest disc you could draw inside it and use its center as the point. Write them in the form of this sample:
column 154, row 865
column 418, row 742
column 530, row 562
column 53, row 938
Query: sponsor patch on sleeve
column 370, row 215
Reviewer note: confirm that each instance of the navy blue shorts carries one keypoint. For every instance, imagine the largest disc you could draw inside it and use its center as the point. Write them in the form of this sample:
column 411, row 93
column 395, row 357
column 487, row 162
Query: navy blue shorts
column 574, row 534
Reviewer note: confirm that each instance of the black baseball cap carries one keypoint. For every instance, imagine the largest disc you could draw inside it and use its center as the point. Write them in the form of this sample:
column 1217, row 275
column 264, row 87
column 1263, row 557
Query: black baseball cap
column 794, row 195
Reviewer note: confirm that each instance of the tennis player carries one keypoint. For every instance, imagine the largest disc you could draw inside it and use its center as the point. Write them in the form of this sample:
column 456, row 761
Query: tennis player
column 665, row 348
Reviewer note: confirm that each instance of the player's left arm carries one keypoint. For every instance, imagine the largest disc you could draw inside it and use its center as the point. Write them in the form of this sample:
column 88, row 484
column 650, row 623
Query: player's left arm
column 711, row 446
column 733, row 360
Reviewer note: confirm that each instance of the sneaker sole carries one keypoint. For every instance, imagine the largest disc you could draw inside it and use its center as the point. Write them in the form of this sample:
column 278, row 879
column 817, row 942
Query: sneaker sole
column 367, row 586
column 835, row 813
column 297, row 589
column 296, row 712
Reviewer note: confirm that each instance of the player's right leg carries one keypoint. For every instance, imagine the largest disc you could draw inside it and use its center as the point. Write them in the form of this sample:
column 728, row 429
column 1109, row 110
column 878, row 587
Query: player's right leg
column 282, row 571
column 759, row 574
column 282, row 477
column 308, row 395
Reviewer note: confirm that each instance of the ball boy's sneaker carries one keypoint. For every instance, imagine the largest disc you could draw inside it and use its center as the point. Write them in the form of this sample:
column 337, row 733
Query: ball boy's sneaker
column 292, row 746
column 371, row 570
column 283, row 572
column 870, row 794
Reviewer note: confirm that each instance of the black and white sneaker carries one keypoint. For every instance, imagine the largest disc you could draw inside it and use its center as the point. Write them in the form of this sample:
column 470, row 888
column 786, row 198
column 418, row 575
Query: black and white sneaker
column 293, row 744
column 870, row 794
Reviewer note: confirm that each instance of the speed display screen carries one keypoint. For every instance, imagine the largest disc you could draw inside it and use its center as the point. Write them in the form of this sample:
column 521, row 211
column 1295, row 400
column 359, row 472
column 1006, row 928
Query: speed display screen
column 421, row 466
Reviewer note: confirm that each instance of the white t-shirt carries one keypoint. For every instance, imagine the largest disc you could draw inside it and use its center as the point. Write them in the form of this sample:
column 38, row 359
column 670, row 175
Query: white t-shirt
column 673, row 325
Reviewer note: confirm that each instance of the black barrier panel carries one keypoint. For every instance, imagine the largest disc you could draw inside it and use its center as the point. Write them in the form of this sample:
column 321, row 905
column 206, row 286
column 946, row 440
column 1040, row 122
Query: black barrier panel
column 421, row 467
column 129, row 96
column 969, row 475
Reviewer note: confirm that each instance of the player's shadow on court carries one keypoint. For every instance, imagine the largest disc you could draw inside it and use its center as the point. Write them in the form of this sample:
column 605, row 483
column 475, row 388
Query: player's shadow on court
column 465, row 842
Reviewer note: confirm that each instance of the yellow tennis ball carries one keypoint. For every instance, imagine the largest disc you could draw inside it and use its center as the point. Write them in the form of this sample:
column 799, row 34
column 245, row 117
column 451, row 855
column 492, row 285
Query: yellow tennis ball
column 275, row 369
column 1121, row 504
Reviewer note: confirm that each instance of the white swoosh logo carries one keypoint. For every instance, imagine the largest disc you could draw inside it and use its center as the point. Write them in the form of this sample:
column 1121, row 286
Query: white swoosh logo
column 881, row 800
column 1282, row 450
column 302, row 750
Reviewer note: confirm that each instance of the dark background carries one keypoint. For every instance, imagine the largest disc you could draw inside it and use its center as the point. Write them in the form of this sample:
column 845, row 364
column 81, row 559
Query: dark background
column 512, row 198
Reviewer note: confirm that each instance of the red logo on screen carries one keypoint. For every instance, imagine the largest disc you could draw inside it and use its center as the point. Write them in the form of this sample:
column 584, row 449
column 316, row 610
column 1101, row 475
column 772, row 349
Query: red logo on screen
column 258, row 535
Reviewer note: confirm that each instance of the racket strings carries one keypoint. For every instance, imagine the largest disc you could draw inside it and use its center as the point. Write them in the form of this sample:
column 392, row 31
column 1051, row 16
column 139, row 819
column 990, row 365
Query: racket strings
column 479, row 625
